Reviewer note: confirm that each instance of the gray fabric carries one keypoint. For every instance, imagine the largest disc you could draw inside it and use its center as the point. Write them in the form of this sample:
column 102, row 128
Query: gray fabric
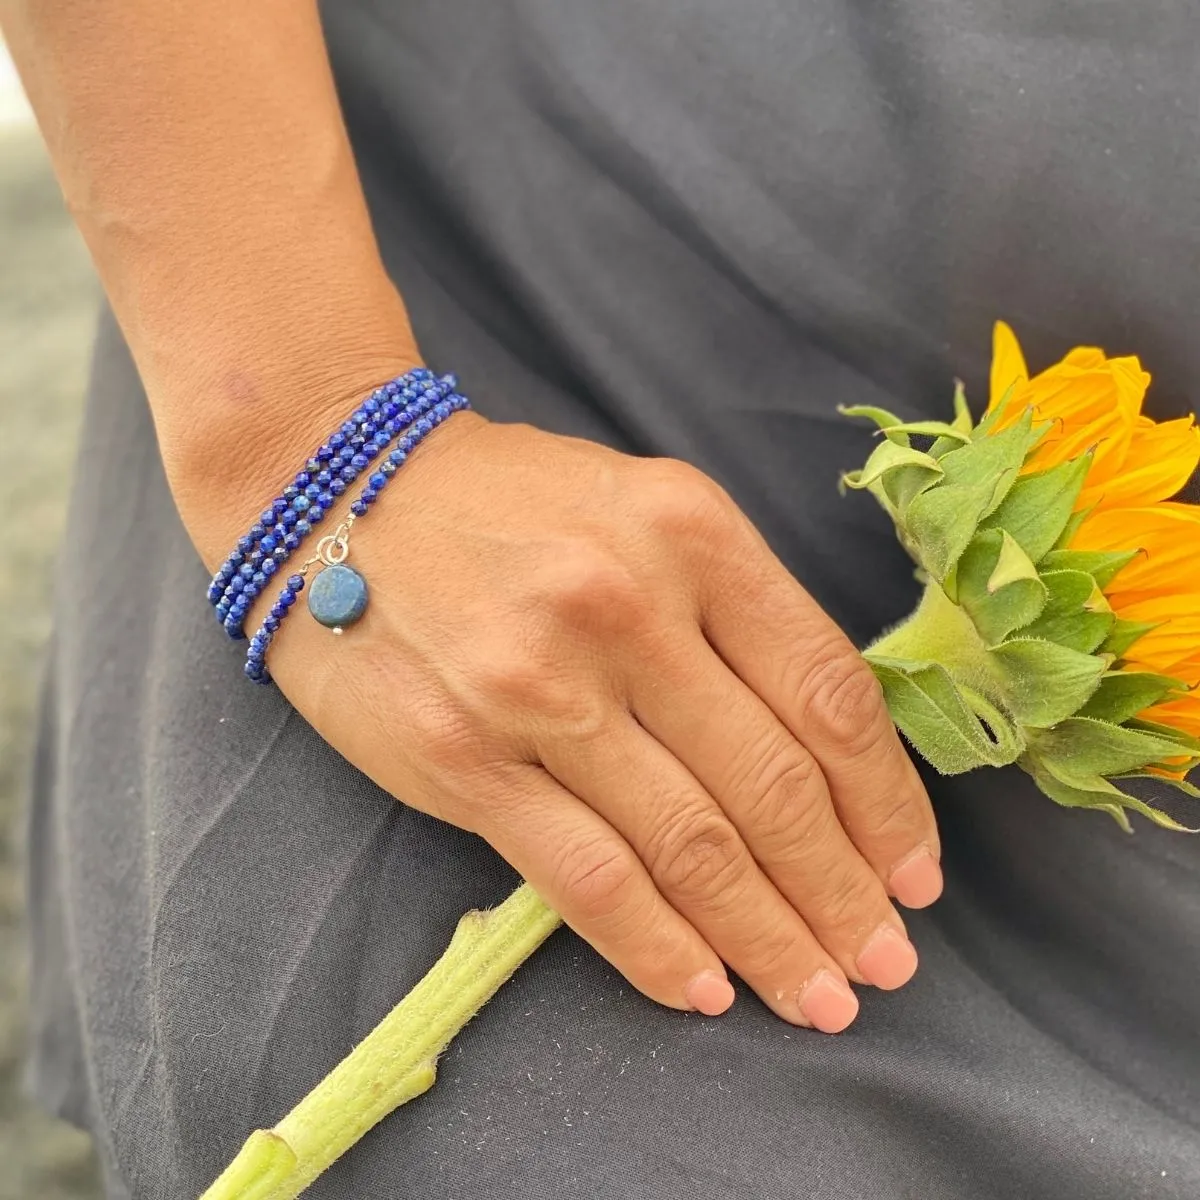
column 692, row 228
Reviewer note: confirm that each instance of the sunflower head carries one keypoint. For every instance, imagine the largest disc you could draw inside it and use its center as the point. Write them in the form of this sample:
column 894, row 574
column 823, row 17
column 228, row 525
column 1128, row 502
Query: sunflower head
column 1060, row 624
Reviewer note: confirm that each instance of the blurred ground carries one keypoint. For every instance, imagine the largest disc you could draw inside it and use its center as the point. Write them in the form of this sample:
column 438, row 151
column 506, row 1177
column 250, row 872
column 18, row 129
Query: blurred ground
column 47, row 305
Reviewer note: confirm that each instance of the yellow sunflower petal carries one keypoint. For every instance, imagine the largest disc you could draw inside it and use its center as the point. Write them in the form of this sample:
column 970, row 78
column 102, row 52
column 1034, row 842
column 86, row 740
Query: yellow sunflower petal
column 1008, row 364
column 1167, row 536
column 1182, row 714
column 1170, row 648
column 1159, row 461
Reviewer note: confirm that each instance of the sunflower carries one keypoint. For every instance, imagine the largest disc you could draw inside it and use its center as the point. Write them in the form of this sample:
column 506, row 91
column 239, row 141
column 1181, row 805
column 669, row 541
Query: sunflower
column 1094, row 403
column 1060, row 625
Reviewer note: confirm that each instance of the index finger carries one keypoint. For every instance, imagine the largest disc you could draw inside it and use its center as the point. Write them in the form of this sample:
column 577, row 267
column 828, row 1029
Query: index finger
column 783, row 645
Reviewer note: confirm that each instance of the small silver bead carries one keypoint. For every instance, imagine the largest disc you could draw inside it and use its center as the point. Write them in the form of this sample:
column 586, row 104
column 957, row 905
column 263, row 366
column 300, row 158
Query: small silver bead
column 337, row 629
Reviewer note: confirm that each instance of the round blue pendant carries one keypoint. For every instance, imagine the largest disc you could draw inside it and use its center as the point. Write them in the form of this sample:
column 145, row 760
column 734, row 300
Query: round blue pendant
column 338, row 596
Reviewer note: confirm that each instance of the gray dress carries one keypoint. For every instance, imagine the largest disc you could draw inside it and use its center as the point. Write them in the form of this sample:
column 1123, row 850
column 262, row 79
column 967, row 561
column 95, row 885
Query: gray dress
column 691, row 228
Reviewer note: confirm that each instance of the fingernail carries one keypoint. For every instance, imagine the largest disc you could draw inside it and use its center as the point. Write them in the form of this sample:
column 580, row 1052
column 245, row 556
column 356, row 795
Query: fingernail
column 827, row 1003
column 917, row 881
column 709, row 993
column 888, row 960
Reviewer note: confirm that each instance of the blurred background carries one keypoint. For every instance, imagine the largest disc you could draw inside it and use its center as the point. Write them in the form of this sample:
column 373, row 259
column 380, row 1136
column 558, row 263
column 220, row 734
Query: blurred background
column 47, row 305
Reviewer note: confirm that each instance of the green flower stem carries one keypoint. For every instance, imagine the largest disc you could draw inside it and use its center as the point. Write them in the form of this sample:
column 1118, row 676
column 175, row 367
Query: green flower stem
column 939, row 631
column 397, row 1059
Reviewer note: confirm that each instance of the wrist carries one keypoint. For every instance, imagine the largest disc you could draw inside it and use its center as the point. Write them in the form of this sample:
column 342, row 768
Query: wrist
column 237, row 416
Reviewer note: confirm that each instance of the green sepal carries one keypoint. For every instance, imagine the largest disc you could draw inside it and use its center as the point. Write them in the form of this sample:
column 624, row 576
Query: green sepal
column 942, row 520
column 998, row 585
column 1084, row 746
column 992, row 415
column 1038, row 507
column 944, row 726
column 889, row 456
column 1124, row 634
column 1076, row 614
column 962, row 410
column 1044, row 683
column 1070, row 529
column 962, row 423
column 883, row 419
column 1180, row 785
column 1123, row 694
column 899, row 430
column 1096, row 793
column 1186, row 745
column 931, row 429
column 1102, row 565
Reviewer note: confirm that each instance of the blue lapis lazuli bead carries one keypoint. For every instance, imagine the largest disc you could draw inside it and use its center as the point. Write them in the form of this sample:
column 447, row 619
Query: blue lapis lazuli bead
column 338, row 596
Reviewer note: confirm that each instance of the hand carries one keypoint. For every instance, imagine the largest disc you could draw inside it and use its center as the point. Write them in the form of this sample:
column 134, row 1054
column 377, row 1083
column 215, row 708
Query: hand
column 594, row 662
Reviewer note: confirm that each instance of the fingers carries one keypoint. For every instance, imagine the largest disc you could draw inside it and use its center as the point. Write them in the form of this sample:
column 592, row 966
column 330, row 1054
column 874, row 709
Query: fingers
column 699, row 862
column 788, row 652
column 588, row 874
column 774, row 793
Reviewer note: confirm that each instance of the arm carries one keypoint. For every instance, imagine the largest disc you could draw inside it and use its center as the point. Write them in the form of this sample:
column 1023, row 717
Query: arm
column 201, row 151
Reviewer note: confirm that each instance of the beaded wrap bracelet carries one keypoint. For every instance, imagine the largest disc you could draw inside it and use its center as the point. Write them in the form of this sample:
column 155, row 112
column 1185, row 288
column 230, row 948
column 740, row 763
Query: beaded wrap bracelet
column 408, row 408
column 335, row 465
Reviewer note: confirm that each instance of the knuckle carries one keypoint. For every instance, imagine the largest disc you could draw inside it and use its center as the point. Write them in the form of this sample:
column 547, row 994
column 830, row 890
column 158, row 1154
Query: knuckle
column 697, row 855
column 850, row 899
column 842, row 699
column 783, row 786
column 683, row 501
column 895, row 816
column 594, row 878
column 515, row 681
column 586, row 587
column 768, row 946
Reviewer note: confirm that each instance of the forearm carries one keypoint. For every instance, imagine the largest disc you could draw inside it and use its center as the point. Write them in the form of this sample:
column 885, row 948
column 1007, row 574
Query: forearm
column 201, row 151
